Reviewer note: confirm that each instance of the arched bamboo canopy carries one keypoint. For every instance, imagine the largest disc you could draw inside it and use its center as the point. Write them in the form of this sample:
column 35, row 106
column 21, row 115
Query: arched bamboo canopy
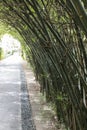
column 54, row 33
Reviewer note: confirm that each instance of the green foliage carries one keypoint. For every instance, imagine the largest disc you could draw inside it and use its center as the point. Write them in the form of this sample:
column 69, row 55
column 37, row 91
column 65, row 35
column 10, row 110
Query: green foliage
column 53, row 39
column 1, row 53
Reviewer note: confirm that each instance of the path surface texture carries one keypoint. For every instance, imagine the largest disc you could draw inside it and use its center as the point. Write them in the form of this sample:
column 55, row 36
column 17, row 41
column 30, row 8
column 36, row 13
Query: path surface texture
column 15, row 109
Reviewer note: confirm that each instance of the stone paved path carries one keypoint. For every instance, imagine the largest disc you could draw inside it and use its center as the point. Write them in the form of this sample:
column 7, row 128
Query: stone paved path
column 15, row 110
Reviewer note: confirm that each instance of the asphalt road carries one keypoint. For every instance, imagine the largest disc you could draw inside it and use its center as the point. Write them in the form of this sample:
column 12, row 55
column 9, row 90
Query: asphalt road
column 15, row 107
column 10, row 94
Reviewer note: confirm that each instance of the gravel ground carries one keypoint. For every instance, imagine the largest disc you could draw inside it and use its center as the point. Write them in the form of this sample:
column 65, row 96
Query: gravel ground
column 26, row 112
column 42, row 113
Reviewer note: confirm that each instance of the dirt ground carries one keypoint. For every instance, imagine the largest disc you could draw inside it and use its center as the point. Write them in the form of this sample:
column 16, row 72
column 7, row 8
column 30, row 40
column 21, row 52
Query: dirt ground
column 43, row 115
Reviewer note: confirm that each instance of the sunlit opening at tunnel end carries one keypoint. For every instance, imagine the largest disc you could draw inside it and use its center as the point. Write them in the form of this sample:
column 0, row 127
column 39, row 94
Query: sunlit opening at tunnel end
column 9, row 46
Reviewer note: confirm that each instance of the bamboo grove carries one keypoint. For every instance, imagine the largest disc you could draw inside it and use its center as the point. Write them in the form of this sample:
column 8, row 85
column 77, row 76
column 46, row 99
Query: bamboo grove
column 54, row 33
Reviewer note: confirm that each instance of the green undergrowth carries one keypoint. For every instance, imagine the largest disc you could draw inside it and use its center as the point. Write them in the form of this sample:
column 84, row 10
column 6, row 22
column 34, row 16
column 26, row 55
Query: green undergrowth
column 2, row 56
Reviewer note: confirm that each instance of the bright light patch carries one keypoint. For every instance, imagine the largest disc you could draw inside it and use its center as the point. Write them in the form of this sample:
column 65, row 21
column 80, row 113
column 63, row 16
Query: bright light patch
column 10, row 44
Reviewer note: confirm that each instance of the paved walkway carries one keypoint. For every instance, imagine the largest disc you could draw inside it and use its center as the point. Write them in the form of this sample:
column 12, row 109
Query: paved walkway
column 15, row 110
column 18, row 95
